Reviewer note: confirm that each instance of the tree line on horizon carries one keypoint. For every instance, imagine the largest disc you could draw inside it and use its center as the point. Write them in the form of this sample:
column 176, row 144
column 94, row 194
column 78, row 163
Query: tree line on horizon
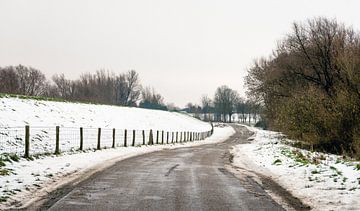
column 225, row 103
column 310, row 86
column 122, row 89
column 102, row 87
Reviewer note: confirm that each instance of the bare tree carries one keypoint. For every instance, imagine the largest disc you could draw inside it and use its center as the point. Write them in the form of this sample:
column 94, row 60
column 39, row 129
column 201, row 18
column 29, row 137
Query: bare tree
column 133, row 87
column 224, row 101
column 152, row 100
column 206, row 107
column 9, row 80
column 65, row 88
column 31, row 81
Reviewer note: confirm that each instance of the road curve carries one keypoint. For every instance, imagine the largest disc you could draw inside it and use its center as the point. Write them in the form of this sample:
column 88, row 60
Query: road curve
column 191, row 178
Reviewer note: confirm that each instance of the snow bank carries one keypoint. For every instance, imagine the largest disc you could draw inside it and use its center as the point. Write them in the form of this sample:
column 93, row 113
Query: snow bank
column 20, row 112
column 33, row 178
column 43, row 116
column 324, row 181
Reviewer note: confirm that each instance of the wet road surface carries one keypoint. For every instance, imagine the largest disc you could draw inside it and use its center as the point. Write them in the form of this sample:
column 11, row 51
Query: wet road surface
column 179, row 179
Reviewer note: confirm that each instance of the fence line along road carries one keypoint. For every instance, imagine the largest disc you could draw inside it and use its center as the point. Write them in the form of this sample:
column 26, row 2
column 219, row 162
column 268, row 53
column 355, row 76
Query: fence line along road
column 28, row 141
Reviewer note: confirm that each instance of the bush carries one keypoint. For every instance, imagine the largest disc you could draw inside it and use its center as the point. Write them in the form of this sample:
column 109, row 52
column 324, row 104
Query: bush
column 262, row 124
column 310, row 95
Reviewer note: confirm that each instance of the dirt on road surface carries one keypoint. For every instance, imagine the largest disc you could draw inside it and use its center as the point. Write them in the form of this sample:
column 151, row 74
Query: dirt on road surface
column 193, row 178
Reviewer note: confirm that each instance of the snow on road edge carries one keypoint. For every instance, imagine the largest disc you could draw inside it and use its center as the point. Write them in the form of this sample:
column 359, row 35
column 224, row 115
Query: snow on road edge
column 323, row 181
column 38, row 177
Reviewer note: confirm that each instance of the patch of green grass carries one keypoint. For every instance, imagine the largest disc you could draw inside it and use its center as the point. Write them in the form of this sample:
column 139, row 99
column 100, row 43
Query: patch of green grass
column 49, row 175
column 336, row 170
column 14, row 157
column 4, row 95
column 296, row 155
column 30, row 158
column 35, row 174
column 357, row 167
column 8, row 157
column 3, row 198
column 315, row 172
column 5, row 172
column 277, row 162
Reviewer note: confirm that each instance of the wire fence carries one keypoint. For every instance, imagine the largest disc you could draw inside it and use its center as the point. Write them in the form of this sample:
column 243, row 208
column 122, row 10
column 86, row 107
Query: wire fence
column 29, row 141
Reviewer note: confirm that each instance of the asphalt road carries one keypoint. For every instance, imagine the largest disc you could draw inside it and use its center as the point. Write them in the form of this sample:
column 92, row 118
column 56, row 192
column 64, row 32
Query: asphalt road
column 180, row 179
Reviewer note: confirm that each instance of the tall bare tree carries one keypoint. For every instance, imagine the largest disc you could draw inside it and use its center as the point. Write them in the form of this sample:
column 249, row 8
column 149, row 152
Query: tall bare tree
column 224, row 101
column 206, row 104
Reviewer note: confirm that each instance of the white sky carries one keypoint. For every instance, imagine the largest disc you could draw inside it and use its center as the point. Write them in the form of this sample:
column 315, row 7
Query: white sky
column 183, row 48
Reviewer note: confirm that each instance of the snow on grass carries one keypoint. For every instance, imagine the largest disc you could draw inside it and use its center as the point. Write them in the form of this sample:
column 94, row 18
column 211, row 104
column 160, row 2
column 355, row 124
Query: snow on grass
column 43, row 116
column 29, row 178
column 20, row 112
column 324, row 181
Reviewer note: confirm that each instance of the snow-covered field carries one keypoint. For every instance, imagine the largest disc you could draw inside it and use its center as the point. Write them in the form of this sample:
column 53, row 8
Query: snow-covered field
column 32, row 179
column 44, row 116
column 323, row 181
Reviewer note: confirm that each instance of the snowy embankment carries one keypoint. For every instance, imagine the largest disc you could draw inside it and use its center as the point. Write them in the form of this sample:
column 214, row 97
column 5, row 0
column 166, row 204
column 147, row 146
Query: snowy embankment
column 20, row 112
column 323, row 181
column 37, row 178
column 43, row 116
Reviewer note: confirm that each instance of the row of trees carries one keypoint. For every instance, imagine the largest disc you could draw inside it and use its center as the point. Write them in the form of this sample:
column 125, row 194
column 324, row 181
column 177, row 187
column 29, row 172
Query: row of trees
column 310, row 85
column 225, row 103
column 101, row 87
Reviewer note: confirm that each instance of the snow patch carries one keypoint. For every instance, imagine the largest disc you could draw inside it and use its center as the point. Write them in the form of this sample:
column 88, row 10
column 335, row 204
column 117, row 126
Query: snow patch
column 324, row 181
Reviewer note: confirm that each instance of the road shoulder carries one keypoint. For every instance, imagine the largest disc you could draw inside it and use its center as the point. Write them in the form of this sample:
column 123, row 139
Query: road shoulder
column 246, row 170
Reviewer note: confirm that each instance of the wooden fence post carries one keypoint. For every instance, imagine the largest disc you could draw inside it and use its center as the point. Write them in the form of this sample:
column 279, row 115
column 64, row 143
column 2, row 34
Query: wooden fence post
column 99, row 138
column 57, row 145
column 113, row 136
column 181, row 136
column 172, row 137
column 162, row 137
column 81, row 138
column 167, row 137
column 157, row 137
column 143, row 136
column 27, row 141
column 176, row 137
column 125, row 138
column 151, row 138
column 133, row 140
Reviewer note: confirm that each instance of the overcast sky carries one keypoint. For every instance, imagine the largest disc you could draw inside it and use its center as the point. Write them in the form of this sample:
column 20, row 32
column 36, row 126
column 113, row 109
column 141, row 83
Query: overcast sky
column 183, row 48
